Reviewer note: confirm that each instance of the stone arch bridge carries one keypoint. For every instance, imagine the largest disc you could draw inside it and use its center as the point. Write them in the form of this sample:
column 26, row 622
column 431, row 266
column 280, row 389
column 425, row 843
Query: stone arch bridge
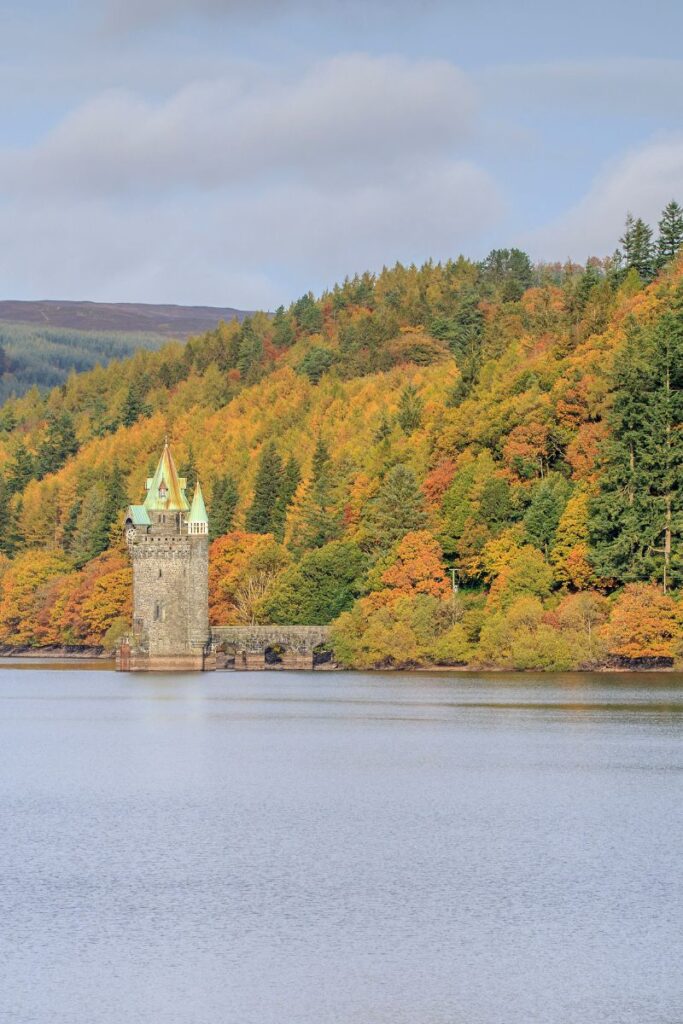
column 278, row 647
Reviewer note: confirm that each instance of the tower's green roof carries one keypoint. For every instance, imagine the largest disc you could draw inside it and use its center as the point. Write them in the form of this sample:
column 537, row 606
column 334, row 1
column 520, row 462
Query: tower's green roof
column 198, row 510
column 166, row 490
column 138, row 515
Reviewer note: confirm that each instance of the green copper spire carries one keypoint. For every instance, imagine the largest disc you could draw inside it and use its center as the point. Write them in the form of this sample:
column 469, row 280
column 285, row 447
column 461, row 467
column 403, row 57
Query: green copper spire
column 166, row 490
column 198, row 514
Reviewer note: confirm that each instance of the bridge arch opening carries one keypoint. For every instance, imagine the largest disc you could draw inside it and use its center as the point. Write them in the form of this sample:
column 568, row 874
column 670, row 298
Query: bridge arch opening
column 273, row 654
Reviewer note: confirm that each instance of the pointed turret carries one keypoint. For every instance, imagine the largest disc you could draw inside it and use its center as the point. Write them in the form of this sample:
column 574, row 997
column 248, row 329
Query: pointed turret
column 198, row 521
column 166, row 490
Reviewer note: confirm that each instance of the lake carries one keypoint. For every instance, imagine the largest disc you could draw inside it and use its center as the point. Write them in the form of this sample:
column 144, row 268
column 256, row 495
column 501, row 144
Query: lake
column 328, row 848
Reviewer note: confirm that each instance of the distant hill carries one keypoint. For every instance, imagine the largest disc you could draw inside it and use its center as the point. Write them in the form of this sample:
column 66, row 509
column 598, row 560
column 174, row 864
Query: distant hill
column 129, row 317
column 42, row 342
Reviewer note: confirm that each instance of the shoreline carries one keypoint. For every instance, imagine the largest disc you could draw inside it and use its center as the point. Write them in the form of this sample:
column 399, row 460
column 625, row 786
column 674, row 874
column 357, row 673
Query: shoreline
column 75, row 654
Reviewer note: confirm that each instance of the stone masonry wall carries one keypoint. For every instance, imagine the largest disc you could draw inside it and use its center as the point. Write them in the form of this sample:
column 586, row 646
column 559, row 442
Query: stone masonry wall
column 160, row 588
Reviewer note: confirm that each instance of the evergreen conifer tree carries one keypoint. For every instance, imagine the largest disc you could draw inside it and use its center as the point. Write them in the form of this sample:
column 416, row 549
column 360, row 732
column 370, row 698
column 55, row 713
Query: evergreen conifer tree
column 135, row 405
column 189, row 470
column 543, row 514
column 223, row 504
column 383, row 430
column 283, row 329
column 289, row 481
column 636, row 526
column 21, row 469
column 397, row 509
column 60, row 442
column 638, row 248
column 250, row 352
column 320, row 518
column 670, row 233
column 262, row 513
column 70, row 525
column 410, row 409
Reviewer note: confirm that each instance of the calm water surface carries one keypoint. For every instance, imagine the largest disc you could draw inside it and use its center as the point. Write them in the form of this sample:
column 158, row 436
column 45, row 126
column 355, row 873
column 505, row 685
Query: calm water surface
column 339, row 849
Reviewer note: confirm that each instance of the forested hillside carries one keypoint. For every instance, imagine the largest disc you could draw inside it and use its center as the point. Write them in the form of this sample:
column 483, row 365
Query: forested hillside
column 514, row 430
column 42, row 342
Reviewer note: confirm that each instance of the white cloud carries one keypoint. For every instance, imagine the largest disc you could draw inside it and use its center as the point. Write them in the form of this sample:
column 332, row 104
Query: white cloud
column 643, row 181
column 248, row 190
column 344, row 118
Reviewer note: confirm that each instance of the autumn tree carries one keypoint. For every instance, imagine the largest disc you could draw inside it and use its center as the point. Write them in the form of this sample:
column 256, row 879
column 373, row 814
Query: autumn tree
column 569, row 555
column 645, row 624
column 242, row 569
column 417, row 568
column 20, row 591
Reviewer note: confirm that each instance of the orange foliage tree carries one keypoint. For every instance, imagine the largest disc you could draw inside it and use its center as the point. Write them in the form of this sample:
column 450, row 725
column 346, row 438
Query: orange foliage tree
column 417, row 569
column 21, row 591
column 645, row 623
column 242, row 568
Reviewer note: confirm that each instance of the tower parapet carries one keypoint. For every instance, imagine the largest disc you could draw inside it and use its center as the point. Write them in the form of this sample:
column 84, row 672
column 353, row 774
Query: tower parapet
column 169, row 548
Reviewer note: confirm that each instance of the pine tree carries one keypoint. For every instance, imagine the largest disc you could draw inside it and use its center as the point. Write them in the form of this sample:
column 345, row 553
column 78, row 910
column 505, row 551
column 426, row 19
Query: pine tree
column 249, row 353
column 13, row 537
column 262, row 513
column 636, row 527
column 638, row 248
column 70, row 525
column 189, row 470
column 96, row 517
column 383, row 430
column 670, row 233
column 59, row 444
column 135, row 406
column 5, row 518
column 224, row 500
column 308, row 314
column 21, row 469
column 543, row 515
column 289, row 481
column 397, row 509
column 410, row 408
column 88, row 540
column 320, row 518
column 283, row 329
column 510, row 271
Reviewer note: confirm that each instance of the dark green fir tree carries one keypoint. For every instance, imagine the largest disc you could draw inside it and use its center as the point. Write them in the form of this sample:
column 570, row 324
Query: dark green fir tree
column 636, row 522
column 224, row 500
column 262, row 514
column 670, row 233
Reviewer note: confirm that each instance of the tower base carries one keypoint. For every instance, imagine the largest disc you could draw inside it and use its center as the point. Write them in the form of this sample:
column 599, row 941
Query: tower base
column 128, row 660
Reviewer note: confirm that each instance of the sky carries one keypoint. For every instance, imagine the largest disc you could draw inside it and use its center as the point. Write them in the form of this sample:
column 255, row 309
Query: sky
column 242, row 152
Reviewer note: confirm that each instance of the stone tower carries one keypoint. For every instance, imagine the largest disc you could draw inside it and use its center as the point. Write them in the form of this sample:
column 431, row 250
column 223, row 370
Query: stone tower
column 169, row 547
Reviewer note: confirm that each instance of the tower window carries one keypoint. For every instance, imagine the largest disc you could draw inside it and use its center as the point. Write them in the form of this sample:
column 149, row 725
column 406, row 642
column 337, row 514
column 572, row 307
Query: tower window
column 159, row 573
